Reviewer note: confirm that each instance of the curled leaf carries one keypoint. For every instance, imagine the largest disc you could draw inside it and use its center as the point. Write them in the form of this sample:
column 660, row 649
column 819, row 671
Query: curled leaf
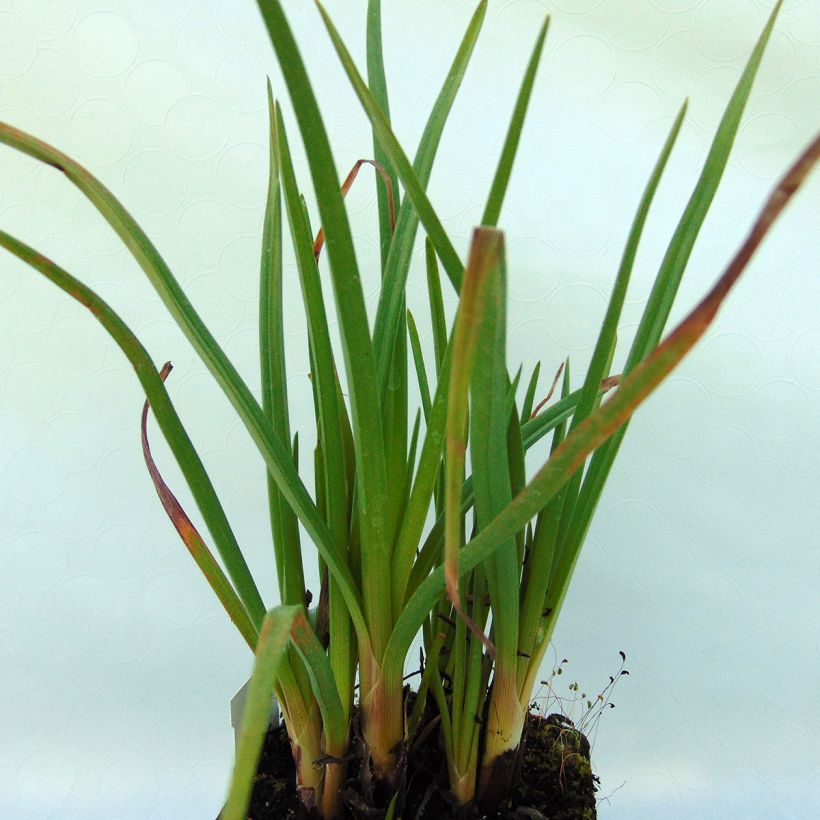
column 192, row 539
column 319, row 242
column 546, row 398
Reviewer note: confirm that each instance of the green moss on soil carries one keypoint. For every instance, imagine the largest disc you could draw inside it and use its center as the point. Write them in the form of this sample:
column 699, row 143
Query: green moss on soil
column 556, row 773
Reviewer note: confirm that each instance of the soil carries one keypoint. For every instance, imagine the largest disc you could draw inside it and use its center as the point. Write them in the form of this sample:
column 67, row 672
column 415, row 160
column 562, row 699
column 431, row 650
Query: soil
column 553, row 780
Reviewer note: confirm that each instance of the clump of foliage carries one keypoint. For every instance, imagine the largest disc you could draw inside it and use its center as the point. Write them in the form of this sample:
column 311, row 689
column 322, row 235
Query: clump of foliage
column 486, row 582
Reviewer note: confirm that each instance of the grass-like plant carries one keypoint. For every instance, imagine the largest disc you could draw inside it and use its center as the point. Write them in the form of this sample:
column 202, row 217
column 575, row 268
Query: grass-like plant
column 485, row 583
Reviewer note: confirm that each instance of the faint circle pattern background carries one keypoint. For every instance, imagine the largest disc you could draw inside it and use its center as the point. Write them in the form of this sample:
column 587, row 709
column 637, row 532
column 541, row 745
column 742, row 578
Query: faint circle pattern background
column 118, row 664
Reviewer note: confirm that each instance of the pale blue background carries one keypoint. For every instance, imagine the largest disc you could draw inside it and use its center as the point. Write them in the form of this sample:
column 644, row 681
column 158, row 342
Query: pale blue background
column 116, row 664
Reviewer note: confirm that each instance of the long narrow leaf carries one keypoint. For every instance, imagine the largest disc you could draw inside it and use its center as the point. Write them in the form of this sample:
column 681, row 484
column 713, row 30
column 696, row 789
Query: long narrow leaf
column 680, row 248
column 424, row 484
column 502, row 175
column 193, row 540
column 395, row 423
column 516, row 457
column 483, row 270
column 407, row 482
column 490, row 405
column 270, row 655
column 418, row 361
column 541, row 561
column 666, row 356
column 284, row 524
column 378, row 87
column 334, row 716
column 334, row 489
column 436, row 300
column 609, row 328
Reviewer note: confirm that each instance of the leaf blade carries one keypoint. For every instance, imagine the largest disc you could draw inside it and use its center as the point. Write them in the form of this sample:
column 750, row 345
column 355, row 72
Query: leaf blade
column 284, row 524
column 498, row 189
column 193, row 541
column 477, row 294
column 270, row 656
column 378, row 86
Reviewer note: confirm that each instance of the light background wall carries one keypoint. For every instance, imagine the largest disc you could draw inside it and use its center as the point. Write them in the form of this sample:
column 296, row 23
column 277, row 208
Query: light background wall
column 116, row 664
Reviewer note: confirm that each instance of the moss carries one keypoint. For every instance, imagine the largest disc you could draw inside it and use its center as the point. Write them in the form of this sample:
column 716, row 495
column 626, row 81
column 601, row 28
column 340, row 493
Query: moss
column 556, row 774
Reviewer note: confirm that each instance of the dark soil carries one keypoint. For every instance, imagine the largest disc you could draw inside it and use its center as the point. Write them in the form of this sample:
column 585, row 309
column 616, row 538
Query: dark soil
column 554, row 780
column 274, row 790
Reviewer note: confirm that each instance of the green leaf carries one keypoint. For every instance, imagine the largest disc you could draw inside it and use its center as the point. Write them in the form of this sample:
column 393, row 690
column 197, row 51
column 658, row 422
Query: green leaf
column 334, row 476
column 418, row 361
column 436, row 300
column 680, row 248
column 270, row 658
column 378, row 87
column 284, row 524
column 502, row 175
column 602, row 354
column 516, row 455
column 270, row 654
column 478, row 295
column 283, row 626
column 409, row 469
column 640, row 382
column 490, row 410
column 557, row 518
column 395, row 426
column 541, row 558
column 424, row 484
column 334, row 716
column 193, row 540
